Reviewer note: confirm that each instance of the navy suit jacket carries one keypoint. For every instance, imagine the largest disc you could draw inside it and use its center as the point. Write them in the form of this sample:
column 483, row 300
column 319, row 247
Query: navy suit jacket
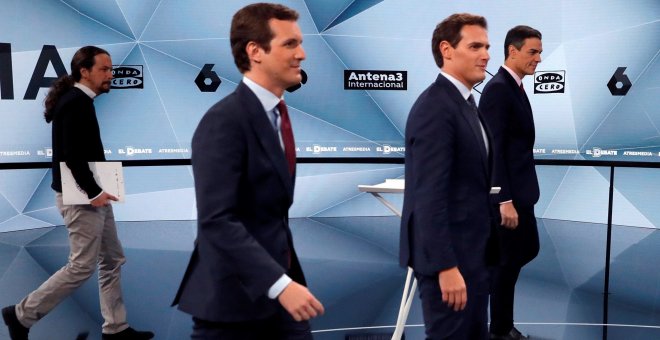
column 508, row 114
column 243, row 190
column 446, row 218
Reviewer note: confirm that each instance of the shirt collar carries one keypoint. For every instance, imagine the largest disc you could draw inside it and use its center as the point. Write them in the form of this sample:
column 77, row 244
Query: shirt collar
column 268, row 100
column 513, row 74
column 85, row 89
column 465, row 92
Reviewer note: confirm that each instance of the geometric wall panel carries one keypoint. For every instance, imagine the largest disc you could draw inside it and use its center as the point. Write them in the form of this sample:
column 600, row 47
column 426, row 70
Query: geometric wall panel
column 173, row 42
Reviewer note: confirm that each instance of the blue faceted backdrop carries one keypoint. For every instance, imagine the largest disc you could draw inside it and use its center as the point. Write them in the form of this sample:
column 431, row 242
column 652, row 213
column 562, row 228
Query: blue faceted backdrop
column 585, row 42
column 347, row 240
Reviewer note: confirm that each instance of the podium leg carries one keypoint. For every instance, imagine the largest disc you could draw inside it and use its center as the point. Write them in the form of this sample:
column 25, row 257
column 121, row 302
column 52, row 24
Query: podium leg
column 406, row 302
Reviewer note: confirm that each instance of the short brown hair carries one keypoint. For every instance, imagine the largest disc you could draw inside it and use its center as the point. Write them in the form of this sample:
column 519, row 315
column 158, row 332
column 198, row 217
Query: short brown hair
column 517, row 36
column 250, row 23
column 450, row 30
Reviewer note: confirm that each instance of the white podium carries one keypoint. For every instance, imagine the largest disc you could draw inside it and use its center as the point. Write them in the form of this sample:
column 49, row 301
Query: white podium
column 395, row 186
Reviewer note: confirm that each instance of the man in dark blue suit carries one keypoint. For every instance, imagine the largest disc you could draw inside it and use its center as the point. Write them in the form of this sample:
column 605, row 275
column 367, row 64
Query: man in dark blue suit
column 446, row 222
column 244, row 280
column 508, row 114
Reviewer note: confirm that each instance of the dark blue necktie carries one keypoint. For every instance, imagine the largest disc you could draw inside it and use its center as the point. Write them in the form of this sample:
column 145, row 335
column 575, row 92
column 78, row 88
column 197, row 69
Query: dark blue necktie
column 482, row 135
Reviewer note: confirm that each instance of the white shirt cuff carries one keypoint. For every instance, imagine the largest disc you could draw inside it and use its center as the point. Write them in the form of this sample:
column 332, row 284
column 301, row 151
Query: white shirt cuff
column 278, row 286
column 509, row 201
column 97, row 196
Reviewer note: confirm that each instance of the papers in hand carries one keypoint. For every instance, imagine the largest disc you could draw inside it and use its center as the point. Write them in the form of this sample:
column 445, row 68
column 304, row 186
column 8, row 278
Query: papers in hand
column 108, row 175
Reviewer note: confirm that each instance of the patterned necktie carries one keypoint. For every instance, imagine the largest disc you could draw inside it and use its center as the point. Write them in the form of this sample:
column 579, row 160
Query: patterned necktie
column 287, row 137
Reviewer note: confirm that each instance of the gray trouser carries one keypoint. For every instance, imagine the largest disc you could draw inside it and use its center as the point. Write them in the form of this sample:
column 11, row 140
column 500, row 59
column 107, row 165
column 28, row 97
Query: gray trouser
column 92, row 238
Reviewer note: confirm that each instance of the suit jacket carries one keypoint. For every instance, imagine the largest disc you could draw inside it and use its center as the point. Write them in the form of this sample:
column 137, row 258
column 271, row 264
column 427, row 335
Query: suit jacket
column 243, row 190
column 446, row 218
column 509, row 116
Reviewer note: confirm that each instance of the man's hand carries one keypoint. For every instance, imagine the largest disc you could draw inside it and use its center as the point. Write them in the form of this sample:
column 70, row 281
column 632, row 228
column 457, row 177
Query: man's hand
column 103, row 199
column 299, row 302
column 452, row 286
column 509, row 215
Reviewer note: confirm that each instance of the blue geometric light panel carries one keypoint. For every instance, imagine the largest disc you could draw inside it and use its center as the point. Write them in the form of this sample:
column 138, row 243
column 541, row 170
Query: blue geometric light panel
column 168, row 43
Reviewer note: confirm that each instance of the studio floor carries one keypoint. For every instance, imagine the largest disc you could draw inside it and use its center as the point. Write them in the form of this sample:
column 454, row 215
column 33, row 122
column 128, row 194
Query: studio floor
column 351, row 266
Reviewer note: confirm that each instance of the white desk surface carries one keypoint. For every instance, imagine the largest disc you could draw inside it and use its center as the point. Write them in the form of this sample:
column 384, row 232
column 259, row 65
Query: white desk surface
column 389, row 186
column 396, row 186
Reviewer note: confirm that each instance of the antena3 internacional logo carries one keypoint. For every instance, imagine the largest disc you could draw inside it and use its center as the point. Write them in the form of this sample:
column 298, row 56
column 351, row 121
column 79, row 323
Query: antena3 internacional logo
column 549, row 81
column 127, row 77
column 375, row 80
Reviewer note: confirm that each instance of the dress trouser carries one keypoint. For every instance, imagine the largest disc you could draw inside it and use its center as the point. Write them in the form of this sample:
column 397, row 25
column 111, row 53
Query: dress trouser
column 518, row 247
column 442, row 322
column 92, row 238
column 280, row 326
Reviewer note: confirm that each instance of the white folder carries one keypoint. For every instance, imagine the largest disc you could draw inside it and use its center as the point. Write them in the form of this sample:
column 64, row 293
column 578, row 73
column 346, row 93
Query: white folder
column 108, row 175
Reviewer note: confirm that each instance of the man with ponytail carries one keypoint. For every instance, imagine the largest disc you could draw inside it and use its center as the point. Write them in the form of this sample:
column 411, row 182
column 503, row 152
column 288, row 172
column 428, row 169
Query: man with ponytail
column 92, row 232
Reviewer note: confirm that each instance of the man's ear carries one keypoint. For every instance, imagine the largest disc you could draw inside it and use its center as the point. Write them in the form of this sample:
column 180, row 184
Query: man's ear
column 513, row 51
column 84, row 73
column 253, row 52
column 446, row 50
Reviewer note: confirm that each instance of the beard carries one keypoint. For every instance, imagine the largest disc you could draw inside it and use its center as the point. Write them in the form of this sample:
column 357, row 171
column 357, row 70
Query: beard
column 105, row 87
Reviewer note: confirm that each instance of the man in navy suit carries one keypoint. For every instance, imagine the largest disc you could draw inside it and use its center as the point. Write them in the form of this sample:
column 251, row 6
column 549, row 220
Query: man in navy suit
column 244, row 280
column 508, row 114
column 446, row 222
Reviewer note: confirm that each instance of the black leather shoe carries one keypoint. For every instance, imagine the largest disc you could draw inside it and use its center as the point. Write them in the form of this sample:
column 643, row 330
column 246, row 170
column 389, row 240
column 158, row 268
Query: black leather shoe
column 514, row 334
column 128, row 334
column 16, row 330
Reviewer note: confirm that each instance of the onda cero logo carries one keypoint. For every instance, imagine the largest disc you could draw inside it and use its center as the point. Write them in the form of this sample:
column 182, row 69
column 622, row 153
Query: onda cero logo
column 127, row 77
column 549, row 81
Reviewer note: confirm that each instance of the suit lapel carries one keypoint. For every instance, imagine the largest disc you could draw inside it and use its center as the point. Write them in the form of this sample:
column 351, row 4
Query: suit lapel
column 520, row 95
column 474, row 120
column 469, row 115
column 489, row 156
column 266, row 135
column 526, row 100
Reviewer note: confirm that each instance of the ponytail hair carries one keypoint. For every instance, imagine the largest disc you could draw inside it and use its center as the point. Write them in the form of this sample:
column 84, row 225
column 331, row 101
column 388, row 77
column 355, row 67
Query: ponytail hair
column 83, row 58
column 59, row 87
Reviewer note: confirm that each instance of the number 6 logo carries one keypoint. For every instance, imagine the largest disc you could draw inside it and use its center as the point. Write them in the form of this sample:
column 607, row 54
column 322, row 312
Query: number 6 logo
column 205, row 74
column 619, row 77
